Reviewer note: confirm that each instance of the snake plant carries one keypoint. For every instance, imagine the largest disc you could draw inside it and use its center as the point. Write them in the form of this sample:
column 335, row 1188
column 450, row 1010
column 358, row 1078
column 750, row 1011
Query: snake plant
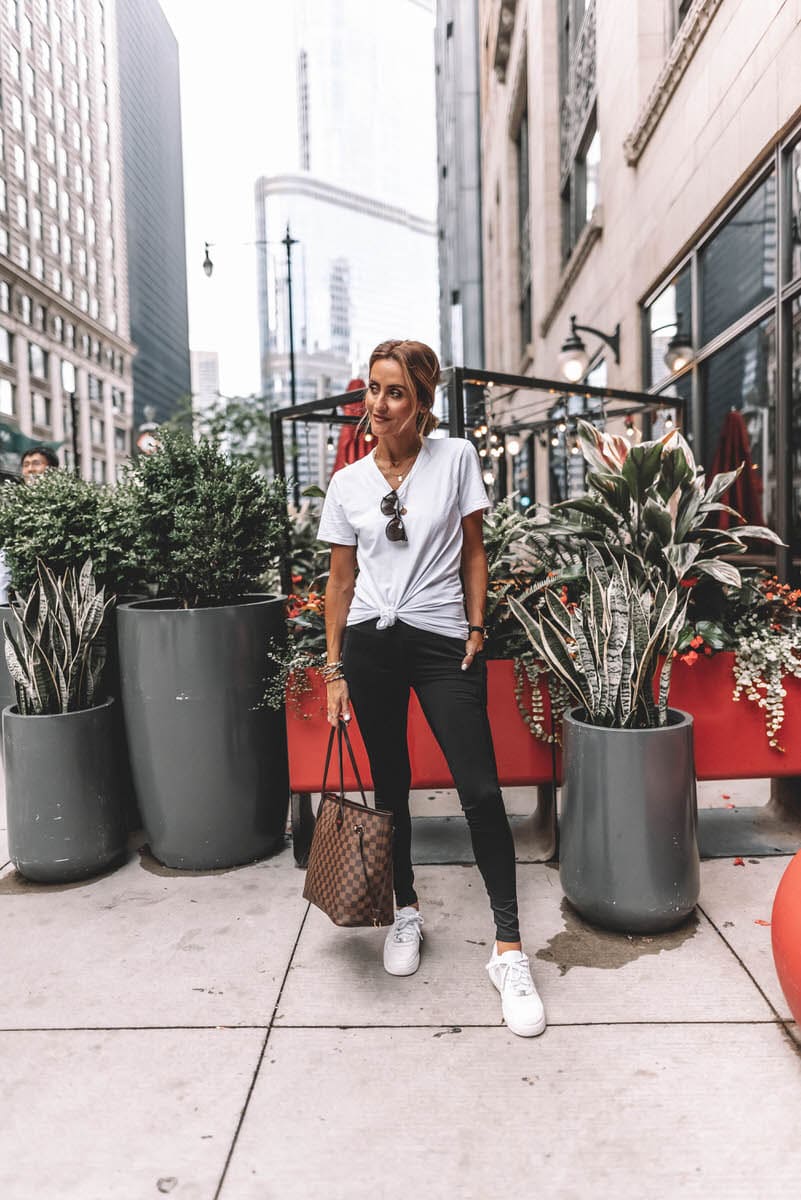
column 55, row 651
column 613, row 650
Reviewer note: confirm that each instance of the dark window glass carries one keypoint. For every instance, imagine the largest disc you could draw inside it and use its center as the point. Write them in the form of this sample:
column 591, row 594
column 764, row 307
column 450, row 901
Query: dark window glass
column 742, row 377
column 524, row 232
column 795, row 212
column 738, row 266
column 795, row 401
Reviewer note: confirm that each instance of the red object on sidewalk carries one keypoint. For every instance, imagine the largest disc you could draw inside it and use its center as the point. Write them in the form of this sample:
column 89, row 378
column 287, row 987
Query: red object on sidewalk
column 785, row 934
column 522, row 758
column 745, row 494
column 730, row 738
column 351, row 445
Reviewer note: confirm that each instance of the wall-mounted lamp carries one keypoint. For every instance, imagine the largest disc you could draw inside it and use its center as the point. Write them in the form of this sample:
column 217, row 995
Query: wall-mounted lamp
column 679, row 352
column 573, row 357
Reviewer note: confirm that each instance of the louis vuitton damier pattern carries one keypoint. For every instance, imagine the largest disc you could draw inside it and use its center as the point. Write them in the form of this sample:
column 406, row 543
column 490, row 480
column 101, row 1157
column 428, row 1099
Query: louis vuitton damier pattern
column 349, row 875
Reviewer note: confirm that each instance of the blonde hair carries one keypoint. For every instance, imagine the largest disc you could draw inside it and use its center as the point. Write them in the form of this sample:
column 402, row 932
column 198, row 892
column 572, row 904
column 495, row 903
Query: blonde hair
column 420, row 369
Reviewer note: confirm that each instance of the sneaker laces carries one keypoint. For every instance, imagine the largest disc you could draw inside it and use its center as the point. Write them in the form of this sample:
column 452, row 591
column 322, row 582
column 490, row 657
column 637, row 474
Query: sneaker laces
column 407, row 926
column 518, row 979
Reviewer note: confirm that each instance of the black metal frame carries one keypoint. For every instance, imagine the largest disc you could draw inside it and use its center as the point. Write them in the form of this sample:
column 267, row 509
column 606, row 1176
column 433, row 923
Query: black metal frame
column 462, row 384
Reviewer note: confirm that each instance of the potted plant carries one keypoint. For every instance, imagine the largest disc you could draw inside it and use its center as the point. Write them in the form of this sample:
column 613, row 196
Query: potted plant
column 62, row 520
column 65, row 819
column 209, row 758
column 628, row 846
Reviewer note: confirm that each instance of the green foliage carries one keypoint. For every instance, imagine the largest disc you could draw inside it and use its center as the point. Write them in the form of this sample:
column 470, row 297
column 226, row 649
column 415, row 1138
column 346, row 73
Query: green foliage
column 64, row 520
column 205, row 527
column 239, row 425
column 650, row 506
column 55, row 651
column 614, row 649
column 521, row 563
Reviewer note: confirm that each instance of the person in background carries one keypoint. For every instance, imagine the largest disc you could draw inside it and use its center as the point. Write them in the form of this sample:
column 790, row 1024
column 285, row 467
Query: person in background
column 409, row 516
column 36, row 461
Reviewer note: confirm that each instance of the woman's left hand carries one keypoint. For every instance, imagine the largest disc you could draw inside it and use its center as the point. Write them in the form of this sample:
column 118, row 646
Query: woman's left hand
column 473, row 645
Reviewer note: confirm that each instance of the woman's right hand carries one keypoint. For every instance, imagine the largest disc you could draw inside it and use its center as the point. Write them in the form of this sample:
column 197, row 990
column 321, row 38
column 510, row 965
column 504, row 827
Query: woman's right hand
column 338, row 701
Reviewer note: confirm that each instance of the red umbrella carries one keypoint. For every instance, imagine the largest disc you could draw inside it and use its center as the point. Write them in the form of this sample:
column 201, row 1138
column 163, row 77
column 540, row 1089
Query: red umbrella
column 745, row 494
column 351, row 445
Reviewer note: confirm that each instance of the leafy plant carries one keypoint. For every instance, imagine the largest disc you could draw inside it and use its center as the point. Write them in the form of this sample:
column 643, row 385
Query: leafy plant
column 650, row 506
column 63, row 520
column 205, row 527
column 239, row 425
column 614, row 649
column 55, row 653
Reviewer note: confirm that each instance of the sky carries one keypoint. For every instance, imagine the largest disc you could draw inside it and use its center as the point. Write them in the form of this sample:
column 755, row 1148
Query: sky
column 237, row 61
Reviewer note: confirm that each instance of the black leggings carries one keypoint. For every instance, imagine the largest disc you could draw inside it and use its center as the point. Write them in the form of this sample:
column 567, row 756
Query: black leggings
column 381, row 665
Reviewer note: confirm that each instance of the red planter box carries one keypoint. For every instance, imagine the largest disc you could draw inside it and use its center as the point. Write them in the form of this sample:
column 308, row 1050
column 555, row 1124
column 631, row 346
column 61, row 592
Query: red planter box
column 730, row 738
column 522, row 758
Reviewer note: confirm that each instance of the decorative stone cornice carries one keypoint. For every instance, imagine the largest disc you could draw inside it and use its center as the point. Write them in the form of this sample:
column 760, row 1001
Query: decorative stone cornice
column 587, row 239
column 503, row 37
column 682, row 52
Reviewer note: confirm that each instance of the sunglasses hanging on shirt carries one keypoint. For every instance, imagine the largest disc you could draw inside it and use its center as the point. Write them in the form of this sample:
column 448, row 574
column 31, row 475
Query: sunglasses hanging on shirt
column 391, row 507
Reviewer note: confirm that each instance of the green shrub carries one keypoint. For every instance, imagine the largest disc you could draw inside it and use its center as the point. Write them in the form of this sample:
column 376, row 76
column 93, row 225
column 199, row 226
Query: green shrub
column 203, row 527
column 63, row 520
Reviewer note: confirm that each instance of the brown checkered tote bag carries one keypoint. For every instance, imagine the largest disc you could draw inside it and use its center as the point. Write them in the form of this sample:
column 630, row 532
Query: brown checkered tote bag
column 349, row 875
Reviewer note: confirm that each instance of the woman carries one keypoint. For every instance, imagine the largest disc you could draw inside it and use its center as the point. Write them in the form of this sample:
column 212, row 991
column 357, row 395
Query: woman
column 409, row 515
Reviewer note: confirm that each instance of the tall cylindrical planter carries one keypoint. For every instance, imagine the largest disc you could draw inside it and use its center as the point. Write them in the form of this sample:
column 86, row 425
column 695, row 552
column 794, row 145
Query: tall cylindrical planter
column 209, row 760
column 65, row 820
column 628, row 848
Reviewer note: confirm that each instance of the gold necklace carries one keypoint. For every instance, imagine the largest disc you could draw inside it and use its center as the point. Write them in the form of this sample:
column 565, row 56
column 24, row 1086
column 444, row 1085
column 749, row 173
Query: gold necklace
column 399, row 475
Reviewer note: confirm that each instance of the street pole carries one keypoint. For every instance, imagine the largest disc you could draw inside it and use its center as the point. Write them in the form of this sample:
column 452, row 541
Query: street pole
column 76, row 457
column 289, row 242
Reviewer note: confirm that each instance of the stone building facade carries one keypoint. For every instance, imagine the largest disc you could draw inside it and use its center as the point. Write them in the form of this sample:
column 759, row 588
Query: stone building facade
column 641, row 167
column 65, row 348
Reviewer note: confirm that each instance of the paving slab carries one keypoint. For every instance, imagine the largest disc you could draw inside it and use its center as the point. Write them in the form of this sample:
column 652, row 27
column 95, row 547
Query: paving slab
column 739, row 900
column 121, row 1114
column 584, row 974
column 147, row 946
column 611, row 1112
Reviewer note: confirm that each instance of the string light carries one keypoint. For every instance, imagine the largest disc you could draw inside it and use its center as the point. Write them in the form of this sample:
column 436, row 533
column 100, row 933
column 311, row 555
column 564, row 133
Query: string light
column 513, row 446
column 488, row 477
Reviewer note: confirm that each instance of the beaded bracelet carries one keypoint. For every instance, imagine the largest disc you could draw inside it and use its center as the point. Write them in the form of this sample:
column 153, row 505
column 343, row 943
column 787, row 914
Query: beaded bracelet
column 333, row 679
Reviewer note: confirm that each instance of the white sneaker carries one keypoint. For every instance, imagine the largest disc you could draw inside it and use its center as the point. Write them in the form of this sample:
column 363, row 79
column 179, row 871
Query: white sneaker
column 402, row 945
column 521, row 1006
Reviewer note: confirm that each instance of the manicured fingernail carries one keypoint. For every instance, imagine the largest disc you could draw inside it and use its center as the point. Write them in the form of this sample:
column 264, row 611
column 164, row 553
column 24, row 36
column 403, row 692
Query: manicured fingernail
column 464, row 666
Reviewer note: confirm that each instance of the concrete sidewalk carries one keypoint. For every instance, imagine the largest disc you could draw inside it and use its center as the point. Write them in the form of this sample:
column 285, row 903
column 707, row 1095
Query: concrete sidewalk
column 208, row 1036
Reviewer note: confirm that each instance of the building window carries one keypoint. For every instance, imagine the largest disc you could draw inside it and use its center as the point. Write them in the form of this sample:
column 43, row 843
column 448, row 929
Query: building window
column 41, row 410
column 58, row 328
column 98, row 430
column 744, row 294
column 22, row 212
column 99, row 470
column 24, row 256
column 30, row 80
column 120, row 440
column 36, row 223
column 44, row 54
column 3, row 194
column 3, row 241
column 7, row 406
column 579, row 146
column 6, row 346
column 33, row 171
column 524, row 231
column 40, row 317
column 37, row 360
column 95, row 390
column 738, row 265
column 19, row 162
column 5, row 296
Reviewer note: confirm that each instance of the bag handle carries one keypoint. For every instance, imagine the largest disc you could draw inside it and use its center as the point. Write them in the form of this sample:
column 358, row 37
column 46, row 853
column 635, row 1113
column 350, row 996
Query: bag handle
column 340, row 732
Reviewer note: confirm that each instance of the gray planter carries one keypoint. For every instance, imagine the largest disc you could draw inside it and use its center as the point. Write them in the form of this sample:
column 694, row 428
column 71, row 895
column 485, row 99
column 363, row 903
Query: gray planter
column 628, row 848
column 209, row 764
column 65, row 820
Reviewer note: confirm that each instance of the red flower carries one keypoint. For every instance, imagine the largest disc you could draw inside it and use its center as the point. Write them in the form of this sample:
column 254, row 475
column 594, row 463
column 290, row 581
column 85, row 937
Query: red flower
column 689, row 658
column 697, row 641
column 689, row 582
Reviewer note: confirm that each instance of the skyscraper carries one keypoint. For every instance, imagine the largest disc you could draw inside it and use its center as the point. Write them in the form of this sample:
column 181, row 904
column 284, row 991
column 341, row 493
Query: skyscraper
column 154, row 206
column 65, row 348
column 364, row 266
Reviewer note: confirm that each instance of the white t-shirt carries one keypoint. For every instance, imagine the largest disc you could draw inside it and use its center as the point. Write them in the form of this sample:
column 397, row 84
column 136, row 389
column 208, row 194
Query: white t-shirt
column 415, row 581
